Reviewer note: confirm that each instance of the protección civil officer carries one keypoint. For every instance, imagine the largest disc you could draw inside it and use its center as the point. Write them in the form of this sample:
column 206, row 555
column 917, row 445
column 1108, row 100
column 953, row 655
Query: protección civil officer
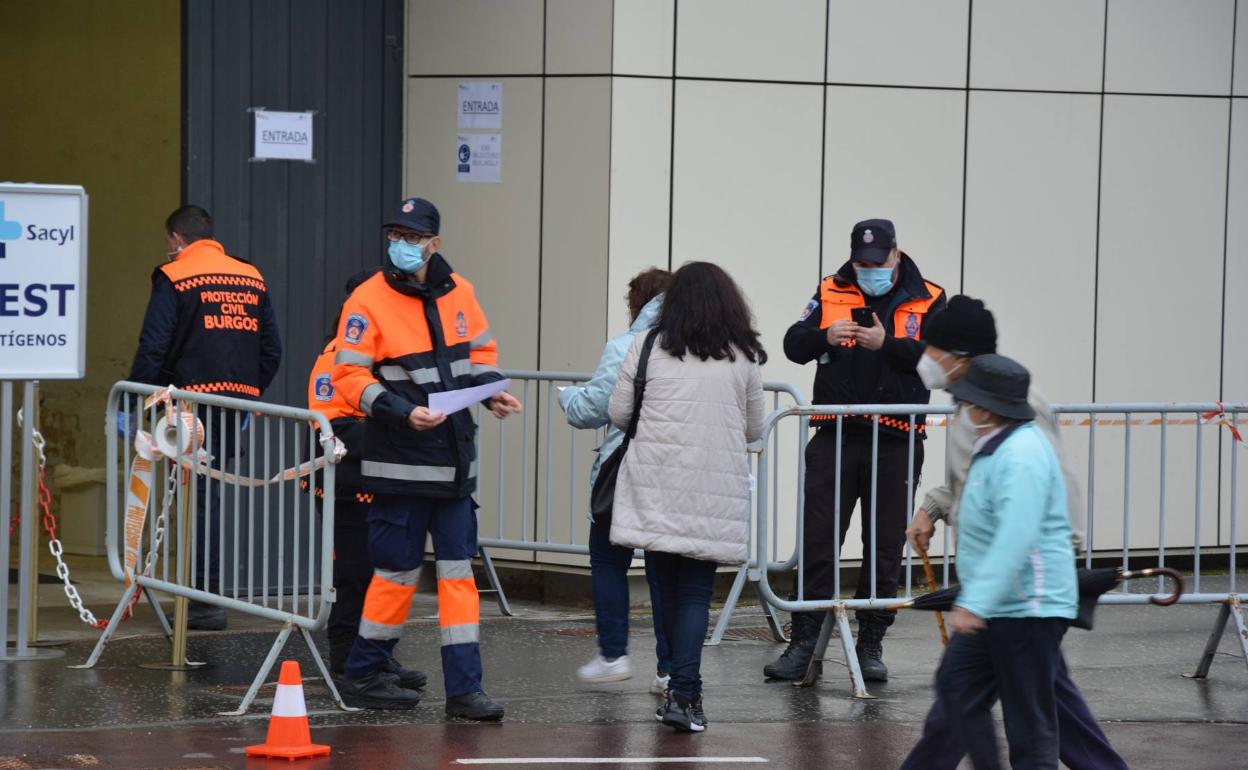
column 410, row 331
column 209, row 328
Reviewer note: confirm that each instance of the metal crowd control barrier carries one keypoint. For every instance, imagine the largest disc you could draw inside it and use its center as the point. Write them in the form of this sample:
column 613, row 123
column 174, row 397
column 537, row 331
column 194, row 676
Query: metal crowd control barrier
column 1156, row 546
column 237, row 533
column 542, row 428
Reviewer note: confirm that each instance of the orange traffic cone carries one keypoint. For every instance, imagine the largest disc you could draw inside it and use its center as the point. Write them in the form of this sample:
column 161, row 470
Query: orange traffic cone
column 289, row 735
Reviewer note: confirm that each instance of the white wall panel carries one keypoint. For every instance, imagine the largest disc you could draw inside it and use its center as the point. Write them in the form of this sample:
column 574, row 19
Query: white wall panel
column 1163, row 46
column 1162, row 204
column 464, row 37
column 575, row 210
column 1031, row 223
column 1241, row 49
column 777, row 40
column 641, row 144
column 898, row 42
column 578, row 36
column 1235, row 351
column 1053, row 45
column 897, row 154
column 642, row 43
column 747, row 198
column 574, row 280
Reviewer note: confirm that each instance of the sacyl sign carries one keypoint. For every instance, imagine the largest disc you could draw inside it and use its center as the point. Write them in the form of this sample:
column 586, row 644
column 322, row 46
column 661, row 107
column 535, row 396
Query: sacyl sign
column 43, row 281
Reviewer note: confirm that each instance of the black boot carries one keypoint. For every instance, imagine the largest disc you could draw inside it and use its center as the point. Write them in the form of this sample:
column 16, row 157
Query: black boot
column 870, row 649
column 682, row 713
column 409, row 678
column 476, row 706
column 378, row 690
column 793, row 662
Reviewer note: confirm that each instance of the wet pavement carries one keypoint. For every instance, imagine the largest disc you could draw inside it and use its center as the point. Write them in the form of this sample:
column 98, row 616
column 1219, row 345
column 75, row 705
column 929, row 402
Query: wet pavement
column 121, row 716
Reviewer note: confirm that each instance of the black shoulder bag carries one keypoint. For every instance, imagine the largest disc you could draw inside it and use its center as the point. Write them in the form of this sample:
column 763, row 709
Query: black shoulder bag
column 602, row 497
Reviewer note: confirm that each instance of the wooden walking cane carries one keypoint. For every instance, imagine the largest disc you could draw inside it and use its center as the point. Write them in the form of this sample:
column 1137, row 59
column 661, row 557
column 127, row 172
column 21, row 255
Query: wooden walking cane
column 931, row 586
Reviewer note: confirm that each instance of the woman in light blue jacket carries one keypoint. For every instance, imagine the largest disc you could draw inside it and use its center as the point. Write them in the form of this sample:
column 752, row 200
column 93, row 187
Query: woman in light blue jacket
column 586, row 407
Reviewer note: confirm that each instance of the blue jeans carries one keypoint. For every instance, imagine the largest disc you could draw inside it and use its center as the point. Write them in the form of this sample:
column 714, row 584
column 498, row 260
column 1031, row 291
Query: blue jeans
column 684, row 587
column 608, row 569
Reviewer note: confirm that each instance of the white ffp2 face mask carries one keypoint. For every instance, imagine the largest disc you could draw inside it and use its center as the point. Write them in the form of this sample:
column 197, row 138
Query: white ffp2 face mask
column 932, row 373
column 964, row 417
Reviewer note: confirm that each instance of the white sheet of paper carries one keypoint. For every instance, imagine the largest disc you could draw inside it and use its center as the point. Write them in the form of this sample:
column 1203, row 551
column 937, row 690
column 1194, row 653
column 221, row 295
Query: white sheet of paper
column 480, row 105
column 452, row 401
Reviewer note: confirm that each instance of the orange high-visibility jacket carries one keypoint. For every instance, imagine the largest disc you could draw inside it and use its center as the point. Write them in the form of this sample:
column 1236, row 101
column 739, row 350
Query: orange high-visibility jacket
column 397, row 343
column 347, row 421
column 223, row 337
column 839, row 378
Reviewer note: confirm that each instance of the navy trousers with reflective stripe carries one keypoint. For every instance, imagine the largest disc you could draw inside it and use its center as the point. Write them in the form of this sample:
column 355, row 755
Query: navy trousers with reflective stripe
column 397, row 527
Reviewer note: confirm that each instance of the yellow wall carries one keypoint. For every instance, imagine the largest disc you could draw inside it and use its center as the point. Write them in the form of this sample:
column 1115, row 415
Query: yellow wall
column 92, row 96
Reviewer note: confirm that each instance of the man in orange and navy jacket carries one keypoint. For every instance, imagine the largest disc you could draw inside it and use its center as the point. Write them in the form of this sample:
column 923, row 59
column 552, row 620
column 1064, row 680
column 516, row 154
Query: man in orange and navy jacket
column 353, row 569
column 409, row 331
column 209, row 328
column 861, row 364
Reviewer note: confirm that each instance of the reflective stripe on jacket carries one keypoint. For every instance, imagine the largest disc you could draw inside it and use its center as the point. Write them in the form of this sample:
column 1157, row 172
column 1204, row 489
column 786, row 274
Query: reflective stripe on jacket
column 222, row 335
column 347, row 422
column 397, row 343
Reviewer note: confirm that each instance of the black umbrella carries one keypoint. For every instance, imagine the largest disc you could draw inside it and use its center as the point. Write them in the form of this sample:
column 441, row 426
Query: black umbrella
column 1092, row 583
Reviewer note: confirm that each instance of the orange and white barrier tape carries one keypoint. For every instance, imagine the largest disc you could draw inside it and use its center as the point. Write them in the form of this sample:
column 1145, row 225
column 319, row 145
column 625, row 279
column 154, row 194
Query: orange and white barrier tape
column 138, row 495
column 942, row 422
column 179, row 436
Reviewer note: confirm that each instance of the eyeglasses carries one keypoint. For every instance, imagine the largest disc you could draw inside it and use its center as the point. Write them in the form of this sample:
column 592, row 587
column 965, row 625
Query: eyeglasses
column 409, row 238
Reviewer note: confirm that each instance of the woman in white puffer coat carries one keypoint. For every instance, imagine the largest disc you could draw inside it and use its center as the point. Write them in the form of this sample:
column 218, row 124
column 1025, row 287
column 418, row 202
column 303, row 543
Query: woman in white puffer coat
column 683, row 490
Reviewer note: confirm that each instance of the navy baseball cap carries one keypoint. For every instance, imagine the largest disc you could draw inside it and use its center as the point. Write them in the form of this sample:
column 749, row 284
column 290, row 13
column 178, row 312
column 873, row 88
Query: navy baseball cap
column 872, row 241
column 417, row 214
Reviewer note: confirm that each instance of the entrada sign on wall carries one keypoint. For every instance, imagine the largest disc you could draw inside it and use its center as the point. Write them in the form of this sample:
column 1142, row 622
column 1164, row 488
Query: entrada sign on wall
column 283, row 135
column 43, row 282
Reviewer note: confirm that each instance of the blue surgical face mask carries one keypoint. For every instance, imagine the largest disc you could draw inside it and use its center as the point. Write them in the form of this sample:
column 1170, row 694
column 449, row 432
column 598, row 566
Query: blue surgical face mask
column 875, row 281
column 407, row 257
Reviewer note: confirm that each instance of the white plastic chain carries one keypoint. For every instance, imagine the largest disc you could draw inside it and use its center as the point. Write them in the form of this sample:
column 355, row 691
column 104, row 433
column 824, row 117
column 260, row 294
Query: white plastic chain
column 58, row 550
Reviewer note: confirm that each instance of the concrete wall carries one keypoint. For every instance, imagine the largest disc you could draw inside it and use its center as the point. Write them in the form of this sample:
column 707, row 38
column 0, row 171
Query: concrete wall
column 1073, row 163
column 92, row 96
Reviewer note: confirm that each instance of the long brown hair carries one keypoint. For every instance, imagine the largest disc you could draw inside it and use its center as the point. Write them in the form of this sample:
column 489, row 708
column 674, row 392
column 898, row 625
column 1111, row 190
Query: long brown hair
column 704, row 313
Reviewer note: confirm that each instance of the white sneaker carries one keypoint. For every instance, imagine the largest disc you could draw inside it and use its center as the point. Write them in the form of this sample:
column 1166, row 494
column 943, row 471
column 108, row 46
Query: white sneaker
column 601, row 670
column 659, row 685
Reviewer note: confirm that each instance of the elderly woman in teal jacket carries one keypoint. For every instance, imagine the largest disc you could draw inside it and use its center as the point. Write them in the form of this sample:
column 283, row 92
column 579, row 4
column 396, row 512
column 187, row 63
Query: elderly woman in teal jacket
column 586, row 407
column 1019, row 590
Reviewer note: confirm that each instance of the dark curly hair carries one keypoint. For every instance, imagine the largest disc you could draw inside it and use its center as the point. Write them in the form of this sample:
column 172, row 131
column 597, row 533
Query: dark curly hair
column 704, row 313
column 644, row 287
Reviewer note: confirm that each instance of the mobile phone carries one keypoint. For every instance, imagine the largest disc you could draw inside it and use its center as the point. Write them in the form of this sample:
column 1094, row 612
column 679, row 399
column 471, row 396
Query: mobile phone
column 862, row 316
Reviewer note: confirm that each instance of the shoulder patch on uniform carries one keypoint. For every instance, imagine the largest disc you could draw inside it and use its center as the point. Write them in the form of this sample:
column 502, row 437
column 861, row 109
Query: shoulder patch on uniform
column 322, row 388
column 356, row 324
column 810, row 308
column 461, row 324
